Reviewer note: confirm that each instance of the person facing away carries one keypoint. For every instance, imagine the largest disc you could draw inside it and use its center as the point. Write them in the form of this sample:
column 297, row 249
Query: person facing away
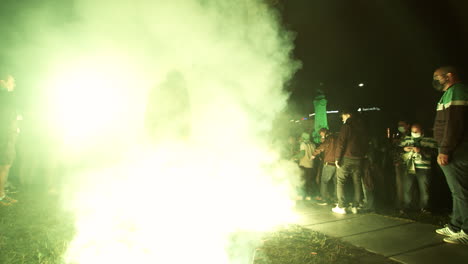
column 451, row 134
column 418, row 152
column 351, row 149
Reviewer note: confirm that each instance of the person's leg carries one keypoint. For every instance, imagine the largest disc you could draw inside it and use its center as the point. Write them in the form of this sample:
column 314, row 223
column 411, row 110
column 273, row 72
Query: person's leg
column 309, row 182
column 368, row 197
column 399, row 176
column 423, row 177
column 301, row 189
column 357, row 174
column 327, row 174
column 407, row 184
column 456, row 174
column 341, row 175
column 4, row 169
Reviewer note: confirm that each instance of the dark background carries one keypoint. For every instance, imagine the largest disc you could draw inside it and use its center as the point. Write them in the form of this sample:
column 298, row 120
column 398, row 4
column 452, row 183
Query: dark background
column 391, row 46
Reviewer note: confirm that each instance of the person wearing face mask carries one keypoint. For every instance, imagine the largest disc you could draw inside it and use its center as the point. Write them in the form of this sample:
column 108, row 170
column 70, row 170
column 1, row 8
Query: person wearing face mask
column 451, row 134
column 400, row 170
column 418, row 152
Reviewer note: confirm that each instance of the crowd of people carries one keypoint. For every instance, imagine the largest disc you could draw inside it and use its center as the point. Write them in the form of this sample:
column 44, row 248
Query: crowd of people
column 395, row 171
column 383, row 169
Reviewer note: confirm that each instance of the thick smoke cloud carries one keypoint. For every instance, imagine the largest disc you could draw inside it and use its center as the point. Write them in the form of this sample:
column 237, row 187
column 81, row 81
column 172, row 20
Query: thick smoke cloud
column 178, row 98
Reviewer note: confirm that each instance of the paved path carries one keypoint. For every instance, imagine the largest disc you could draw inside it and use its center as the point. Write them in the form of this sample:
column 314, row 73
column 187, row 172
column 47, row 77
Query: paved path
column 401, row 240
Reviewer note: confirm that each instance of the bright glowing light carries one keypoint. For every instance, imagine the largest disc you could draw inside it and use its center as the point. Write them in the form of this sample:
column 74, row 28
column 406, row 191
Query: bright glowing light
column 178, row 198
column 361, row 85
column 90, row 98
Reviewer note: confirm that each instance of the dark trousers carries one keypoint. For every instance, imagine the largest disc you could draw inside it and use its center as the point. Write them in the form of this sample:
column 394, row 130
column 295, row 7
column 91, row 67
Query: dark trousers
column 456, row 174
column 328, row 174
column 308, row 181
column 350, row 168
column 423, row 178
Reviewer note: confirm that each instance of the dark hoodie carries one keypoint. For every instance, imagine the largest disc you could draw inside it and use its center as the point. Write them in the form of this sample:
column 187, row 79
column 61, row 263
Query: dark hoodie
column 352, row 141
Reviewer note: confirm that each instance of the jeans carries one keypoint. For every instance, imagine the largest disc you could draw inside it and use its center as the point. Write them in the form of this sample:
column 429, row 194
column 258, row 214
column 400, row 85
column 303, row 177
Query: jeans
column 400, row 172
column 328, row 173
column 456, row 174
column 308, row 182
column 423, row 178
column 349, row 168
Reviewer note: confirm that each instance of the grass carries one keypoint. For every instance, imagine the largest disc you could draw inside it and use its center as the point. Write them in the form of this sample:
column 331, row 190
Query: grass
column 298, row 245
column 37, row 231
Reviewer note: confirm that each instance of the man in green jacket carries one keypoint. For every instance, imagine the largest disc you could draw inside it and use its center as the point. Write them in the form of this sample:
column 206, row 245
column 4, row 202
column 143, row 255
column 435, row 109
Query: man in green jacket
column 451, row 134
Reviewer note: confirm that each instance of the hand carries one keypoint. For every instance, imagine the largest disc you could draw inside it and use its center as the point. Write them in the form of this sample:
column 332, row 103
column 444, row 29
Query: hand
column 443, row 159
column 408, row 149
column 336, row 164
column 312, row 157
column 416, row 149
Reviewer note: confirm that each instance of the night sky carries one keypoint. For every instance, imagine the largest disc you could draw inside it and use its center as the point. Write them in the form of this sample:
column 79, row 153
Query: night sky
column 391, row 46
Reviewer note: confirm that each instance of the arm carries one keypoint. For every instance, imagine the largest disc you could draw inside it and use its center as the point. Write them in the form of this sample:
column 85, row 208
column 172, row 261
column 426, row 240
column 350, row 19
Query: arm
column 341, row 142
column 453, row 129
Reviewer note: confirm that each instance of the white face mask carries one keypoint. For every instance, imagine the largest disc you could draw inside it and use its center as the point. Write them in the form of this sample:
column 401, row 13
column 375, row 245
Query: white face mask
column 415, row 135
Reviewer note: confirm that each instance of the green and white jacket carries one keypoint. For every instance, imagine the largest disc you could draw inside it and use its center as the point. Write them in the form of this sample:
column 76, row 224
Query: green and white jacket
column 451, row 122
column 421, row 160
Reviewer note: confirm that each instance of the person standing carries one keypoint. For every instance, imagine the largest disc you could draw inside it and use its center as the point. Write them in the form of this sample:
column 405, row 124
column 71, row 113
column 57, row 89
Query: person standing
column 451, row 134
column 418, row 152
column 351, row 149
column 306, row 149
column 8, row 134
column 400, row 169
column 329, row 167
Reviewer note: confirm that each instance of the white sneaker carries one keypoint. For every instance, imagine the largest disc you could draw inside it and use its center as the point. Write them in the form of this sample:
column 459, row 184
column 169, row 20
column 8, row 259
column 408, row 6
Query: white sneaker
column 339, row 210
column 460, row 238
column 446, row 231
column 354, row 210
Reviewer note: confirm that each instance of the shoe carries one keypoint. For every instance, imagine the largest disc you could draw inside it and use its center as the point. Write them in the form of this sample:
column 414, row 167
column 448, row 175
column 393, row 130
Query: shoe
column 339, row 210
column 425, row 212
column 446, row 231
column 460, row 238
column 354, row 210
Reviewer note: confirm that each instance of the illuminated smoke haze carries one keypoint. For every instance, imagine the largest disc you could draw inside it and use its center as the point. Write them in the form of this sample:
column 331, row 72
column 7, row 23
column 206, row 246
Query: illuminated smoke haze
column 168, row 107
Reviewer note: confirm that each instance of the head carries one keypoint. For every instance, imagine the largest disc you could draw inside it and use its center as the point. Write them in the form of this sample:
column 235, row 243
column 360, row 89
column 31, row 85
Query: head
column 323, row 132
column 444, row 77
column 416, row 131
column 305, row 137
column 346, row 114
column 403, row 126
column 7, row 82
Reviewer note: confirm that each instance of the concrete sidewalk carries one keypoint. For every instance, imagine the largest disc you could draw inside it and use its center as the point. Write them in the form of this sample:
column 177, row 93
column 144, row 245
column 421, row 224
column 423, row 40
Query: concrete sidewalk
column 401, row 240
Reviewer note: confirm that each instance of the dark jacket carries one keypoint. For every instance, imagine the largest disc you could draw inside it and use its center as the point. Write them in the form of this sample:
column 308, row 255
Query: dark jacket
column 352, row 141
column 451, row 122
column 328, row 147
